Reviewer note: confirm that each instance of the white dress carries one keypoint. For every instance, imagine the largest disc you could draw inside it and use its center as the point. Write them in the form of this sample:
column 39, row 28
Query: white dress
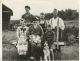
column 22, row 44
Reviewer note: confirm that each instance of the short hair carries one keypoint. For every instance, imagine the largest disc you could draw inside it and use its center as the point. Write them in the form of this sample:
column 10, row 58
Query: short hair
column 49, row 26
column 35, row 21
column 22, row 20
column 55, row 10
column 42, row 13
column 28, row 7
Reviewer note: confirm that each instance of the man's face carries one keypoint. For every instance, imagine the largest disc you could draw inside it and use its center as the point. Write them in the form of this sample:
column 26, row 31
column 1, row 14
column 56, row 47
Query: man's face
column 27, row 10
column 55, row 13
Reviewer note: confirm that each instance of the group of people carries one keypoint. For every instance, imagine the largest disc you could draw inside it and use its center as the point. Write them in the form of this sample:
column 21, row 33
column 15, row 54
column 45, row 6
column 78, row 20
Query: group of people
column 34, row 37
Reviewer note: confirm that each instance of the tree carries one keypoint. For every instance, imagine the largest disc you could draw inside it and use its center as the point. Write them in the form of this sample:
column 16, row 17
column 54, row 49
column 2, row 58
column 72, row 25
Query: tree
column 48, row 16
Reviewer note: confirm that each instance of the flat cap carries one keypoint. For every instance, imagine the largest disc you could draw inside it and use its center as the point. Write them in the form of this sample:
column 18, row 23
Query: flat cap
column 28, row 7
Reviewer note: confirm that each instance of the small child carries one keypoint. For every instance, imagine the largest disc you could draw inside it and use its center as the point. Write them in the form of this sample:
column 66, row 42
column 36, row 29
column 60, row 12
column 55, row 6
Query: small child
column 48, row 36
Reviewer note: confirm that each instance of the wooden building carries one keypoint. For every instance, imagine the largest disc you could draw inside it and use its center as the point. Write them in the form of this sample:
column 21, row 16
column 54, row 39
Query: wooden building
column 6, row 15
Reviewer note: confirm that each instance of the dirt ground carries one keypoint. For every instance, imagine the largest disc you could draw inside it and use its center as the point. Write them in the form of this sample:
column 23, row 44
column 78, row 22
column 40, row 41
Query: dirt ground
column 10, row 52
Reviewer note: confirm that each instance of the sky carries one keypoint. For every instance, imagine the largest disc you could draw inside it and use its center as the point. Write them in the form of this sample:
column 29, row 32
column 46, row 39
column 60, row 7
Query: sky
column 38, row 6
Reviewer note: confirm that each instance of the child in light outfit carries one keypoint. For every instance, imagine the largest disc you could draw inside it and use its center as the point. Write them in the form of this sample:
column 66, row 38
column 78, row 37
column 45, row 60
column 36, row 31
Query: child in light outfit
column 22, row 36
column 22, row 48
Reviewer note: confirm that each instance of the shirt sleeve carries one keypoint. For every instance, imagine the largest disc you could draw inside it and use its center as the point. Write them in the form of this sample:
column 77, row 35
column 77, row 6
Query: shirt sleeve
column 41, row 31
column 27, row 31
column 62, row 26
column 17, row 33
column 50, row 21
column 32, row 18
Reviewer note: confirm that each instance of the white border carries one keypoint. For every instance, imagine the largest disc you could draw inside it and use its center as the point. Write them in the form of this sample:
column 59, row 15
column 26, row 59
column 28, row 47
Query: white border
column 0, row 31
column 79, row 29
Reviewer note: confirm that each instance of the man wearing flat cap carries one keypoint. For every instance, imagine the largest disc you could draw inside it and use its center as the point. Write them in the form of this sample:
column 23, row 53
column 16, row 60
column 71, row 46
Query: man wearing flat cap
column 28, row 16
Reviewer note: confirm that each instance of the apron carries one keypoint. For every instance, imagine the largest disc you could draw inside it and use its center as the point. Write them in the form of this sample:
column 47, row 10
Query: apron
column 22, row 45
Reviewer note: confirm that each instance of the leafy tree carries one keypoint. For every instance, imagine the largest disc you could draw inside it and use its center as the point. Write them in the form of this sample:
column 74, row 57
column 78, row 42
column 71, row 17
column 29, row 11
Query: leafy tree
column 48, row 16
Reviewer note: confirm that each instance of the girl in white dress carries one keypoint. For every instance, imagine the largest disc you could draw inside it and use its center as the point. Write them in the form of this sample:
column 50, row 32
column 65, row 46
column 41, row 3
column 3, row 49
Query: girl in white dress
column 22, row 36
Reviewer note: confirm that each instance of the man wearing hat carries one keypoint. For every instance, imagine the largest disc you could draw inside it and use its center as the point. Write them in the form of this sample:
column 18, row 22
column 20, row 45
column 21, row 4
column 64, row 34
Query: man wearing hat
column 28, row 16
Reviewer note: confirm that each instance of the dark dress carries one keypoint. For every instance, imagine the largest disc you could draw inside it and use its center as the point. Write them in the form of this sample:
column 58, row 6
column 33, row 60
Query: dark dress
column 35, row 50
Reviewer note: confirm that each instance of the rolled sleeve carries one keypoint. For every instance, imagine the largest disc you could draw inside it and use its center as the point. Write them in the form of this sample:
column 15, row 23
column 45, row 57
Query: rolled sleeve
column 62, row 26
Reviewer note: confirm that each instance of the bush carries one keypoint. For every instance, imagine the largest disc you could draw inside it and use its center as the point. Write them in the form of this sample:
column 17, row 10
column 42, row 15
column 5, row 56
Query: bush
column 70, row 35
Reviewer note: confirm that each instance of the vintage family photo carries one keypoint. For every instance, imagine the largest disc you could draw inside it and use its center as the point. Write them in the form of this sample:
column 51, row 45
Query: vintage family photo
column 40, row 30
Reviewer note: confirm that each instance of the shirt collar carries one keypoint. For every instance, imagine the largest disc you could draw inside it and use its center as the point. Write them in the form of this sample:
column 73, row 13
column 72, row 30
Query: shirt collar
column 55, row 18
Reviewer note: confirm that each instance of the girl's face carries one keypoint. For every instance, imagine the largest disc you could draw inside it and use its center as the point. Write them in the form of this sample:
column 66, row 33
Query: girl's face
column 22, row 22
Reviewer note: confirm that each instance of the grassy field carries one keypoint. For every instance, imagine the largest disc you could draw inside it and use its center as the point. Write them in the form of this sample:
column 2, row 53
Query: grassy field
column 70, row 52
column 10, row 52
column 67, row 22
column 72, row 23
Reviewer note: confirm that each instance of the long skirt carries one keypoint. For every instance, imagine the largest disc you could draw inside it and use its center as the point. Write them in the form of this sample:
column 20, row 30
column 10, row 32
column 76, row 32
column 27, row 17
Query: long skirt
column 22, row 46
column 35, row 51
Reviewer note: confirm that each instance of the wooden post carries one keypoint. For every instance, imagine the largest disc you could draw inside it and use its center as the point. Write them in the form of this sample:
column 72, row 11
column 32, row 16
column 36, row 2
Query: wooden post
column 57, row 33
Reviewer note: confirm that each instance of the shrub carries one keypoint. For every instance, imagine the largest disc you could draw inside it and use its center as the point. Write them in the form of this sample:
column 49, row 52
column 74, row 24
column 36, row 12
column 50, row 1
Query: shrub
column 70, row 34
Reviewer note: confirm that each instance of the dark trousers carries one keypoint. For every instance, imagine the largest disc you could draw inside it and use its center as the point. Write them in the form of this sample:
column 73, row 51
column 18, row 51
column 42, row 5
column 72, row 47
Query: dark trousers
column 35, row 51
column 57, row 52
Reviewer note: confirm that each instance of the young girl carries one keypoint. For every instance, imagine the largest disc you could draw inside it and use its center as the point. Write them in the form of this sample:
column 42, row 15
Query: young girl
column 22, row 36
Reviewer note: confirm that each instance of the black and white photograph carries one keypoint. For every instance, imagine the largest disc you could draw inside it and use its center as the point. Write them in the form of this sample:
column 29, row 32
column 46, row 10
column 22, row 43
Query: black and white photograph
column 40, row 30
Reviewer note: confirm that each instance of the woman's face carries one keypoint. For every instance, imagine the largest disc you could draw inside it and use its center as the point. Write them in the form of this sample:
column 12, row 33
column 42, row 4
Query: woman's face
column 22, row 23
column 35, row 24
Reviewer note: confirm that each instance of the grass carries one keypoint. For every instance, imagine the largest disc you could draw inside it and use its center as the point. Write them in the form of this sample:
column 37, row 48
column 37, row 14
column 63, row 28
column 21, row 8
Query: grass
column 10, row 52
column 70, row 52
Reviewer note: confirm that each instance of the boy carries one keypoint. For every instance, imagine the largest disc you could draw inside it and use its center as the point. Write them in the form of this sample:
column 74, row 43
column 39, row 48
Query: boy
column 49, row 38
